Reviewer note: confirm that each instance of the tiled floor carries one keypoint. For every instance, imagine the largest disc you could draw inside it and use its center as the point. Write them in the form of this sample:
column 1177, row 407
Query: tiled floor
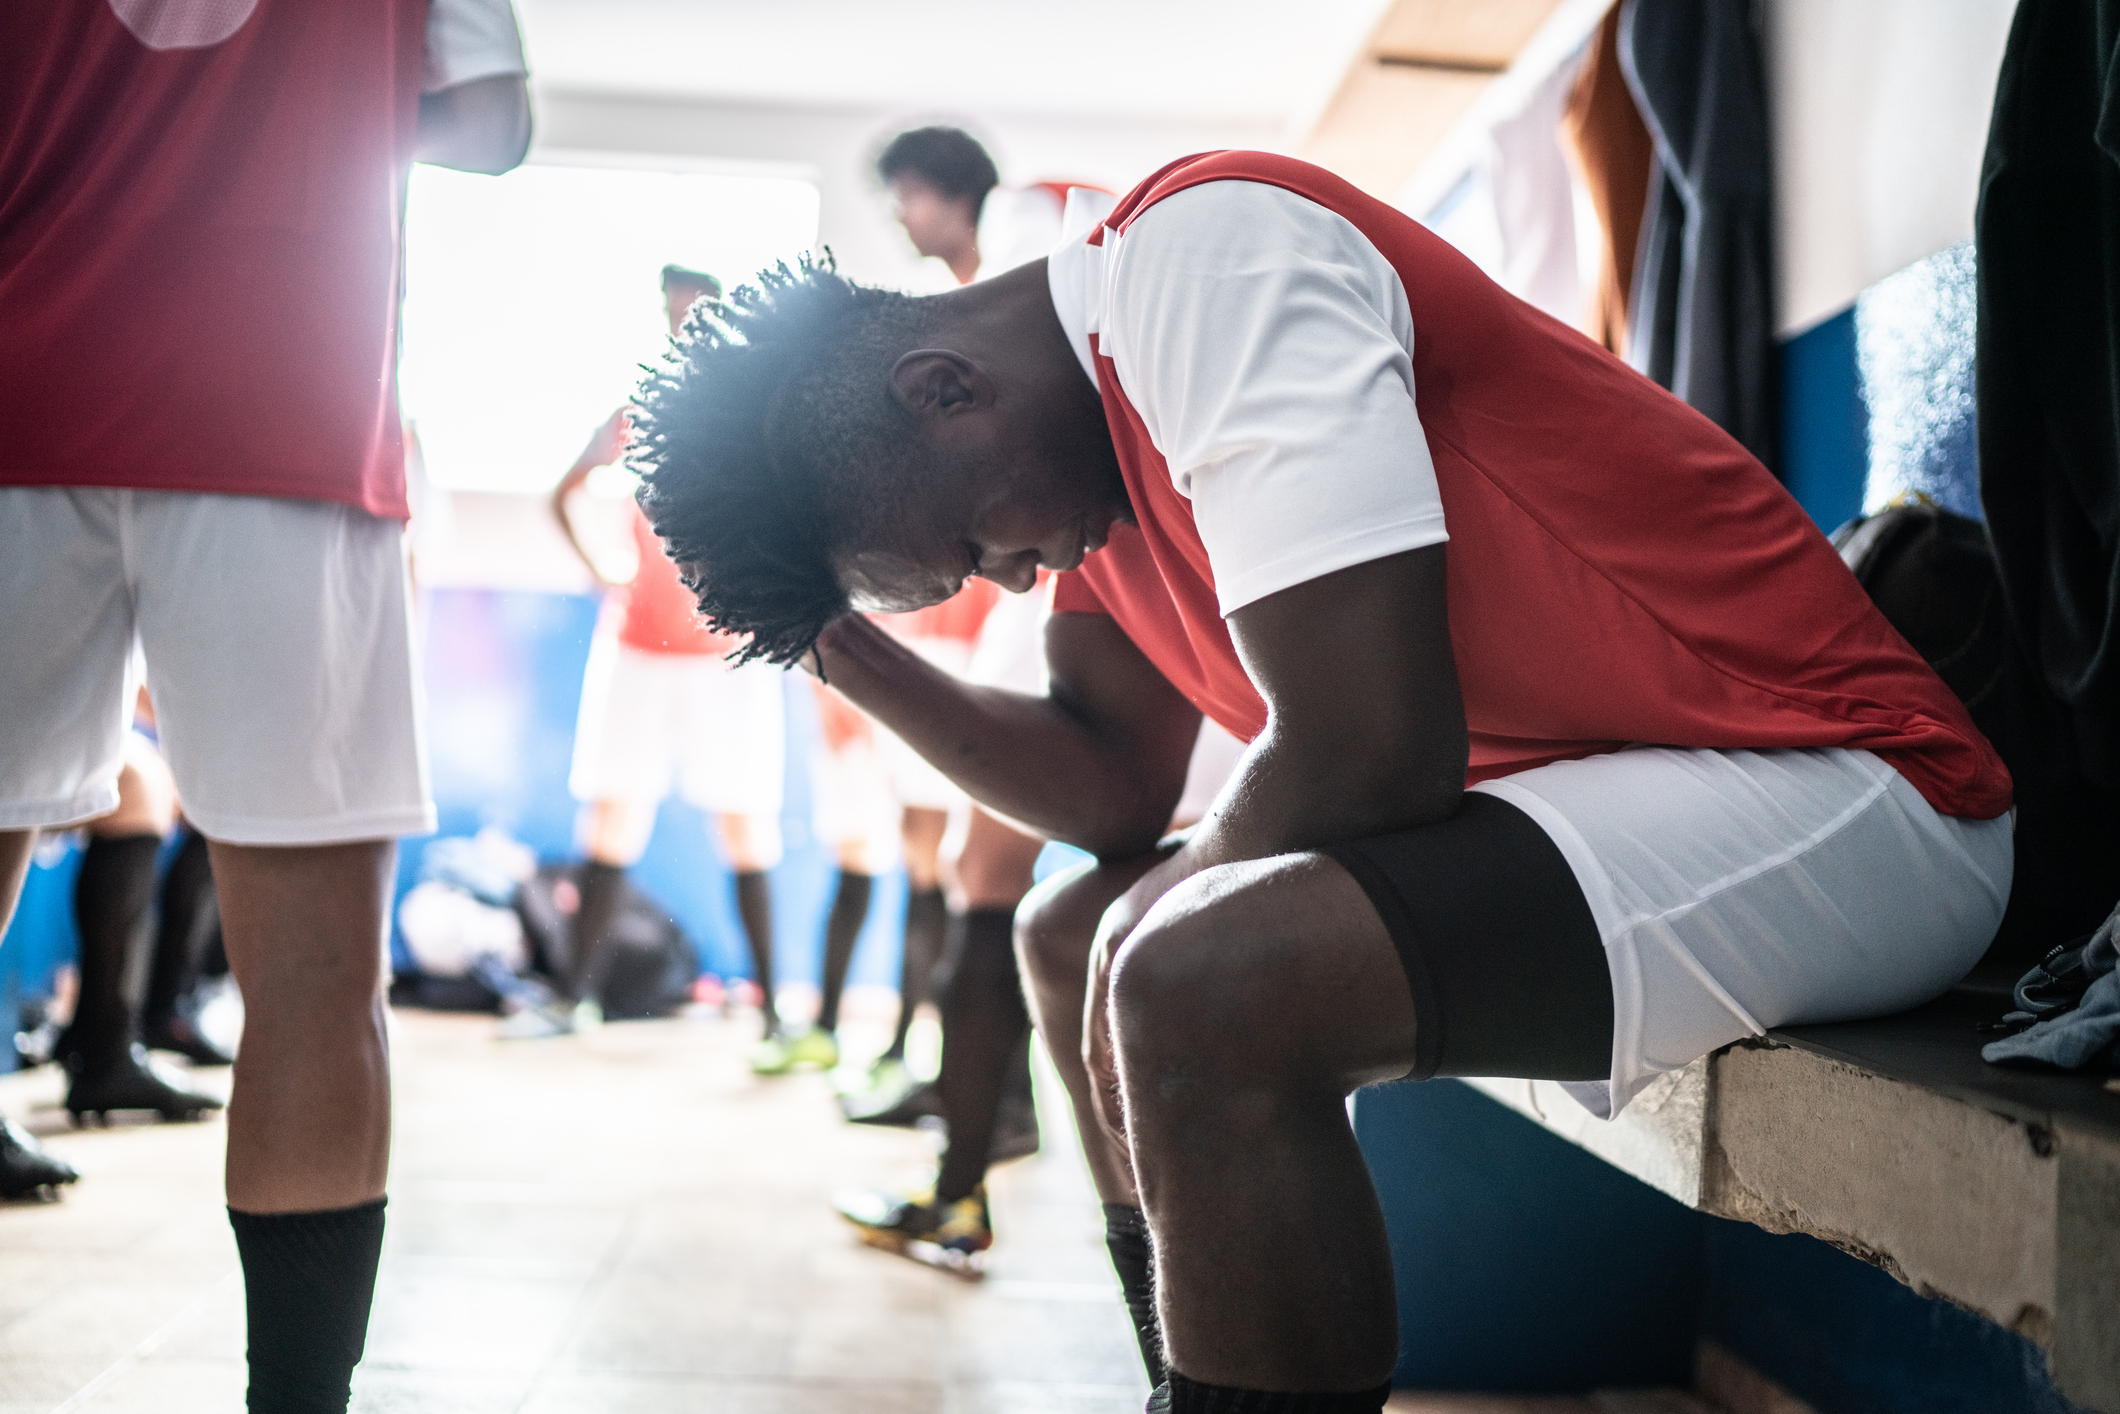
column 624, row 1222
column 628, row 1221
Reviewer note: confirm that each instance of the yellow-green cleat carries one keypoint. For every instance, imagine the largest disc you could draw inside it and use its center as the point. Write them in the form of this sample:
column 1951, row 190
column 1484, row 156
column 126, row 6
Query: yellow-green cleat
column 947, row 1235
column 814, row 1048
column 771, row 1056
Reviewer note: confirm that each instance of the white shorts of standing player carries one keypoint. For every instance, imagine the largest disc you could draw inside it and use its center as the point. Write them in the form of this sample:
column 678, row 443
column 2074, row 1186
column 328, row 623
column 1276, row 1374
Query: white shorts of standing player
column 654, row 722
column 277, row 636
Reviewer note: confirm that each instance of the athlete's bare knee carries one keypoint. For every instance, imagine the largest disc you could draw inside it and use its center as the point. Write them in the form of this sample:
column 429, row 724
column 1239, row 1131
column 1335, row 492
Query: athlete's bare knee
column 1057, row 922
column 1195, row 992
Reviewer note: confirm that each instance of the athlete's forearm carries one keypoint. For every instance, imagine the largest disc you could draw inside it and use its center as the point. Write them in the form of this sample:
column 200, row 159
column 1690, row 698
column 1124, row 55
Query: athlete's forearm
column 1032, row 759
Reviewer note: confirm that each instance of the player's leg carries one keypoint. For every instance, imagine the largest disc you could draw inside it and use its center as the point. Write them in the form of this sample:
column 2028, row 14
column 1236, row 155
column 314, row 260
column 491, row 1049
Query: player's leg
column 615, row 833
column 187, row 923
column 113, row 897
column 278, row 640
column 65, row 697
column 1055, row 927
column 625, row 747
column 16, row 846
column 985, row 1027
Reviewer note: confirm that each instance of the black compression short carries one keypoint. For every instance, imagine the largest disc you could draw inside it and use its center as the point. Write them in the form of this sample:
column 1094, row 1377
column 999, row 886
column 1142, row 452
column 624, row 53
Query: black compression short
column 1507, row 970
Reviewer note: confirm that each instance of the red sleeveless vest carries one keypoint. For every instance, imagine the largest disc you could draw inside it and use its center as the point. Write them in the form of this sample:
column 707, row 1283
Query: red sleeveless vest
column 199, row 245
column 1620, row 570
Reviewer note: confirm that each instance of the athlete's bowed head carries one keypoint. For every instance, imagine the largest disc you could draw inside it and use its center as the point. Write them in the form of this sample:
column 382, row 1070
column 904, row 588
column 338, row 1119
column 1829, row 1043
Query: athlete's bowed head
column 820, row 446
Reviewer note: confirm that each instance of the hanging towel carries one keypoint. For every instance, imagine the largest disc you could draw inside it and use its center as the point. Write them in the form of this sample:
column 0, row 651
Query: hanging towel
column 2047, row 371
column 1701, row 317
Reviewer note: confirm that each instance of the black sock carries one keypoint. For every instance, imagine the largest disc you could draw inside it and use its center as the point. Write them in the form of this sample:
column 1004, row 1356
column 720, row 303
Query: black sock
column 308, row 1280
column 850, row 909
column 1191, row 1397
column 984, row 1023
column 1134, row 1259
column 111, row 901
column 754, row 903
column 926, row 918
column 184, row 930
column 601, row 888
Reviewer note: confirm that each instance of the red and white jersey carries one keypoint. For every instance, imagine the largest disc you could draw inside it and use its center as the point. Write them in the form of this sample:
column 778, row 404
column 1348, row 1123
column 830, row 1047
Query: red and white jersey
column 200, row 207
column 1299, row 378
column 661, row 616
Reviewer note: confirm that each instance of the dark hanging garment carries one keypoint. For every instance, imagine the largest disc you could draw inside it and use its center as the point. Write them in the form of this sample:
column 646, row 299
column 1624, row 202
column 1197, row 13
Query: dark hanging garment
column 1701, row 310
column 1603, row 134
column 2047, row 374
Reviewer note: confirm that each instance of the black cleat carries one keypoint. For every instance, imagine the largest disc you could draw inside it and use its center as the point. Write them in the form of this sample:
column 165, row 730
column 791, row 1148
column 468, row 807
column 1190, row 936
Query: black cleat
column 26, row 1170
column 903, row 1108
column 134, row 1082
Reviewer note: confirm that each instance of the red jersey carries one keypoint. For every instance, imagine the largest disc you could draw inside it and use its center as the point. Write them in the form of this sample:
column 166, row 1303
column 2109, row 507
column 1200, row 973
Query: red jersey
column 199, row 245
column 1620, row 570
column 661, row 616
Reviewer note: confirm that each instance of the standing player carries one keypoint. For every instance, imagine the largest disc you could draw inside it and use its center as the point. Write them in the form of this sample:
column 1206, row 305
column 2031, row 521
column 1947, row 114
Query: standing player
column 1627, row 770
column 200, row 207
column 661, row 704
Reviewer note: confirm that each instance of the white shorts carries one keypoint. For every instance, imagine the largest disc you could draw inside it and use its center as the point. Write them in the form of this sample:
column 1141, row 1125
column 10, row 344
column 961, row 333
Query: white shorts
column 853, row 808
column 651, row 719
column 277, row 638
column 1741, row 890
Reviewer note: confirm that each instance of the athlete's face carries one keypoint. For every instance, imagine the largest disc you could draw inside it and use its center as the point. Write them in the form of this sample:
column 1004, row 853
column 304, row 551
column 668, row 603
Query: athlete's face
column 1002, row 526
column 1010, row 490
column 938, row 225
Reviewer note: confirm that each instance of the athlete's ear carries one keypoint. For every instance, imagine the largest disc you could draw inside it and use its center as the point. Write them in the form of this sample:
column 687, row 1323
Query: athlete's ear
column 938, row 382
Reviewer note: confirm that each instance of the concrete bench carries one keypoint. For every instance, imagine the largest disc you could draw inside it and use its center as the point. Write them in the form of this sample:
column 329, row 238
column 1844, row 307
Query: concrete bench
column 1997, row 1190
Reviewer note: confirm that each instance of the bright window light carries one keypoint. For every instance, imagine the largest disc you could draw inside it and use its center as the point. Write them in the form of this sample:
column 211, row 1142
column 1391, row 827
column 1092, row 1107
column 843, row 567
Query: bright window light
column 532, row 300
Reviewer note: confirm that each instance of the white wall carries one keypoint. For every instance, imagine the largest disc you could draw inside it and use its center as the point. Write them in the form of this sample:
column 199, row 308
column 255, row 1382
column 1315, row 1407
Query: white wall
column 1880, row 117
column 833, row 147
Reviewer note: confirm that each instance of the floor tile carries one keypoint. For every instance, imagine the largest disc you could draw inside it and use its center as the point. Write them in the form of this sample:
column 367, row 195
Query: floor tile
column 627, row 1221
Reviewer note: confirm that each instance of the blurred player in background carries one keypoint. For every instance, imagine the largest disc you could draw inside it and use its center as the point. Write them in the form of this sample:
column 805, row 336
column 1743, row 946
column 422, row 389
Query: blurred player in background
column 661, row 709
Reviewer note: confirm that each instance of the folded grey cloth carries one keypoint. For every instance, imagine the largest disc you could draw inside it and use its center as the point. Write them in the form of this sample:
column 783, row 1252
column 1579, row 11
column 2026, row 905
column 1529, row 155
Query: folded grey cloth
column 2083, row 1034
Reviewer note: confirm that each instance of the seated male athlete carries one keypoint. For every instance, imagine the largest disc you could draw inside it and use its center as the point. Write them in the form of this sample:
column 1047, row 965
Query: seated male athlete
column 1575, row 751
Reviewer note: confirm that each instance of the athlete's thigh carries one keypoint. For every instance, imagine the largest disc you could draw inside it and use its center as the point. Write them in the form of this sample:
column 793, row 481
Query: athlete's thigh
column 65, row 654
column 1279, row 965
column 278, row 640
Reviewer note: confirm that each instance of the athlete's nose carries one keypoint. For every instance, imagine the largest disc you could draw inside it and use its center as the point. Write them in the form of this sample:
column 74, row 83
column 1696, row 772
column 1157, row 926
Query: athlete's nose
column 1016, row 573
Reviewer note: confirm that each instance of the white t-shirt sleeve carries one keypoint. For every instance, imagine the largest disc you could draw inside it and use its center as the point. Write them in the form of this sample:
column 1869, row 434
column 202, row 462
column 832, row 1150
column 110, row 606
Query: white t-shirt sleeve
column 1267, row 346
column 470, row 39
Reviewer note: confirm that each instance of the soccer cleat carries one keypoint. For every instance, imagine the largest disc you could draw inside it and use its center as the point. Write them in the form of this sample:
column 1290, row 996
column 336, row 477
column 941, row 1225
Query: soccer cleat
column 134, row 1082
column 772, row 1055
column 947, row 1235
column 26, row 1170
column 885, row 1073
column 549, row 1020
column 814, row 1047
column 903, row 1108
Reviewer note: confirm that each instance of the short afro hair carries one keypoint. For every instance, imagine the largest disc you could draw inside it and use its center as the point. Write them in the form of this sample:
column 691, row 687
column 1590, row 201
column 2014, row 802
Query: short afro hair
column 759, row 443
column 948, row 159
